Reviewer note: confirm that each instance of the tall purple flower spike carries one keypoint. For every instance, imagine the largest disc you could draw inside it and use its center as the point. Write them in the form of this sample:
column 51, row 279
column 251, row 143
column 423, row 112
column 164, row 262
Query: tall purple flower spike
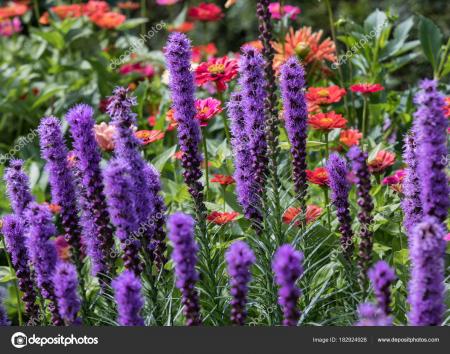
column 128, row 294
column 13, row 231
column 239, row 259
column 287, row 267
column 182, row 89
column 54, row 152
column 426, row 287
column 296, row 117
column 382, row 276
column 17, row 187
column 430, row 125
column 65, row 282
column 120, row 192
column 95, row 220
column 3, row 316
column 244, row 176
column 43, row 254
column 184, row 255
column 371, row 315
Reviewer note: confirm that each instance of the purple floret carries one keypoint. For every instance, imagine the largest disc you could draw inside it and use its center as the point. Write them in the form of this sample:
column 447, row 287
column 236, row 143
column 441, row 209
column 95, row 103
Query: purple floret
column 17, row 187
column 65, row 282
column 128, row 294
column 382, row 276
column 371, row 315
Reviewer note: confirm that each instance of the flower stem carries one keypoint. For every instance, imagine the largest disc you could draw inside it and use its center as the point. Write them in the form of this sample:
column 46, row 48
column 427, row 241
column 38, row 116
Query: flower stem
column 327, row 203
column 327, row 146
column 205, row 152
column 143, row 15
column 365, row 122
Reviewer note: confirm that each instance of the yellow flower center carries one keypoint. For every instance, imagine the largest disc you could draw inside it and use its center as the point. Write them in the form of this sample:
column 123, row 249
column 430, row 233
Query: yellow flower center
column 323, row 93
column 216, row 69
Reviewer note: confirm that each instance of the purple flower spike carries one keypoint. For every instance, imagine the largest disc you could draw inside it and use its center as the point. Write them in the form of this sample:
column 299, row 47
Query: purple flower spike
column 128, row 294
column 245, row 179
column 382, row 276
column 120, row 190
column 54, row 152
column 296, row 115
column 184, row 255
column 43, row 253
column 426, row 288
column 239, row 258
column 3, row 316
column 431, row 125
column 17, row 187
column 340, row 188
column 358, row 160
column 182, row 89
column 371, row 315
column 13, row 230
column 287, row 267
column 65, row 282
column 95, row 220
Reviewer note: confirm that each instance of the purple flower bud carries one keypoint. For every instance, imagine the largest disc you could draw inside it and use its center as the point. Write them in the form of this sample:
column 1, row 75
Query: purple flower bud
column 184, row 255
column 17, row 187
column 287, row 267
column 239, row 258
column 65, row 282
column 426, row 287
column 371, row 315
column 127, row 292
column 382, row 276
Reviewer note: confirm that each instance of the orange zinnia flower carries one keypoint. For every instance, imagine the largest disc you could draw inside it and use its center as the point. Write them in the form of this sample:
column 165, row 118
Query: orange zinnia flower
column 350, row 137
column 325, row 95
column 223, row 180
column 149, row 136
column 12, row 10
column 54, row 208
column 218, row 70
column 184, row 27
column 109, row 20
column 383, row 160
column 307, row 45
column 221, row 218
column 312, row 213
column 366, row 88
column 129, row 5
column 318, row 176
column 205, row 12
column 327, row 121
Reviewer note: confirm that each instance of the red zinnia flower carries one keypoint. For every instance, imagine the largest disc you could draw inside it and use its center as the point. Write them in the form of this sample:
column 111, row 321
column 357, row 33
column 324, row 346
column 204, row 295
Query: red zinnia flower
column 206, row 12
column 12, row 10
column 149, row 136
column 129, row 5
column 144, row 70
column 223, row 180
column 218, row 70
column 366, row 88
column 93, row 7
column 184, row 27
column 318, row 176
column 201, row 51
column 395, row 181
column 325, row 95
column 327, row 121
column 151, row 120
column 383, row 160
column 177, row 155
column 312, row 213
column 109, row 20
column 447, row 107
column 221, row 218
column 350, row 137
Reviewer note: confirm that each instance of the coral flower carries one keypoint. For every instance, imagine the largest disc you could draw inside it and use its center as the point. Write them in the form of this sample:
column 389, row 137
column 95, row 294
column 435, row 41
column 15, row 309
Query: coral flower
column 93, row 7
column 8, row 27
column 382, row 160
column 318, row 176
column 183, row 28
column 144, row 70
column 350, row 137
column 306, row 45
column 366, row 88
column 104, row 135
column 223, row 180
column 218, row 70
column 149, row 136
column 128, row 5
column 13, row 10
column 447, row 107
column 177, row 155
column 325, row 95
column 395, row 181
column 63, row 12
column 312, row 213
column 278, row 12
column 108, row 20
column 327, row 121
column 205, row 12
column 54, row 208
column 203, row 51
column 257, row 44
column 221, row 218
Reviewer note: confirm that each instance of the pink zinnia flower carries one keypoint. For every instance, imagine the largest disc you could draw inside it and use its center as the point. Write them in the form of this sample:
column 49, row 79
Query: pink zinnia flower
column 144, row 70
column 104, row 135
column 206, row 109
column 8, row 27
column 395, row 181
column 166, row 2
column 277, row 12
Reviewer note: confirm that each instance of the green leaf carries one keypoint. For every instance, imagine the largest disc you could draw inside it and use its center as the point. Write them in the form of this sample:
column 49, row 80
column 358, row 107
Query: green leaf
column 48, row 94
column 130, row 24
column 160, row 161
column 401, row 257
column 5, row 275
column 54, row 38
column 376, row 22
column 431, row 39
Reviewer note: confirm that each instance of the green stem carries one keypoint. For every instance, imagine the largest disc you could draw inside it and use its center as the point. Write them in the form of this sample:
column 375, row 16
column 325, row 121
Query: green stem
column 437, row 74
column 36, row 11
column 205, row 152
column 327, row 203
column 143, row 15
column 327, row 146
column 223, row 196
column 365, row 121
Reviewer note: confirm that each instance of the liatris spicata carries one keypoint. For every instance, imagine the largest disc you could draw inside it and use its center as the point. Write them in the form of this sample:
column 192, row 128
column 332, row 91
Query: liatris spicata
column 411, row 204
column 65, row 282
column 358, row 160
column 426, row 288
column 371, row 315
column 287, row 267
column 3, row 316
column 178, row 57
column 382, row 276
column 13, row 230
column 245, row 179
column 340, row 188
column 17, row 187
column 296, row 116
column 43, row 253
column 239, row 258
column 184, row 255
column 120, row 190
column 127, row 292
column 252, row 84
column 54, row 152
column 430, row 126
column 95, row 220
